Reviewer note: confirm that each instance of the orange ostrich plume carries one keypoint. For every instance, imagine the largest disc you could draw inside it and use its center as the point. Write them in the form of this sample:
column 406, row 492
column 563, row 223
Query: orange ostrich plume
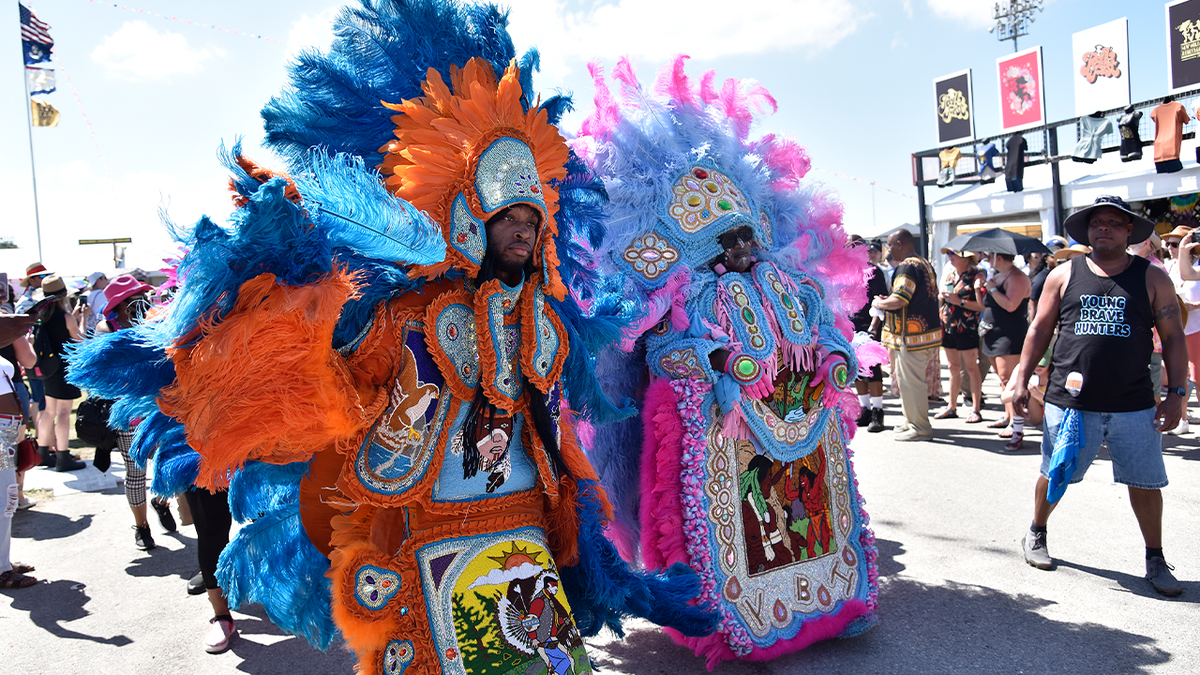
column 463, row 156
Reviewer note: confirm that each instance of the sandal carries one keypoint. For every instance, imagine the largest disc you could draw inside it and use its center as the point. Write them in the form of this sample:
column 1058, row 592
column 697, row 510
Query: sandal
column 974, row 417
column 1007, row 433
column 947, row 414
column 14, row 579
column 998, row 424
column 22, row 568
column 1015, row 443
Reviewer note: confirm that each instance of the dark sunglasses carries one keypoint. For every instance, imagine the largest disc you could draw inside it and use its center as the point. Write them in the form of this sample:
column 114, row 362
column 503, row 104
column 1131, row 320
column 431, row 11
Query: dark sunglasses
column 732, row 237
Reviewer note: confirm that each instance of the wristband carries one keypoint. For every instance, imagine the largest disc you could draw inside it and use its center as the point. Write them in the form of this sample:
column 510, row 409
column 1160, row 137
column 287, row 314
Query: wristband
column 1177, row 390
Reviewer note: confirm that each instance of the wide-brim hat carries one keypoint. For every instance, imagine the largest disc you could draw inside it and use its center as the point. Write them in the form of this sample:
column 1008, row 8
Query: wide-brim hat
column 1077, row 223
column 1068, row 253
column 53, row 285
column 1178, row 233
column 961, row 254
column 1056, row 241
column 36, row 269
column 123, row 287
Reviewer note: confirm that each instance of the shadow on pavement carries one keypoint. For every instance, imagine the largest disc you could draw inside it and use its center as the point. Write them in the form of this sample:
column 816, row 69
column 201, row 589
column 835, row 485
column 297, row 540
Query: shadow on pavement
column 54, row 603
column 285, row 657
column 42, row 526
column 163, row 562
column 888, row 552
column 925, row 628
column 1137, row 584
column 1185, row 447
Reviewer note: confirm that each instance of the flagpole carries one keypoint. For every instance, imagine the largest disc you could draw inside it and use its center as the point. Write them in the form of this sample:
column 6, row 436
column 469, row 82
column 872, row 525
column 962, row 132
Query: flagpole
column 37, row 218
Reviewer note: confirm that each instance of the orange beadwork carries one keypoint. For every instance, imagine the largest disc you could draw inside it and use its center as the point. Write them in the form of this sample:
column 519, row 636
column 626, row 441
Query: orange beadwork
column 439, row 140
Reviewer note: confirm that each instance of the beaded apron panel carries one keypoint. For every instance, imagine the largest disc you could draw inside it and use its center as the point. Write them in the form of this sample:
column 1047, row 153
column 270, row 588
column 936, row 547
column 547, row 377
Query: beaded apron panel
column 784, row 534
column 495, row 606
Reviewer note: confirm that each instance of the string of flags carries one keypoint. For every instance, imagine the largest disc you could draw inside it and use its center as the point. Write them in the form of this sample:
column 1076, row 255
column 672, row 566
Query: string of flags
column 865, row 182
column 233, row 31
column 37, row 47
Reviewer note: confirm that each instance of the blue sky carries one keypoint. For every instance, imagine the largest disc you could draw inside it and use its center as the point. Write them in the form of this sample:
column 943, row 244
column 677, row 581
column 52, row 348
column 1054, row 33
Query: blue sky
column 853, row 79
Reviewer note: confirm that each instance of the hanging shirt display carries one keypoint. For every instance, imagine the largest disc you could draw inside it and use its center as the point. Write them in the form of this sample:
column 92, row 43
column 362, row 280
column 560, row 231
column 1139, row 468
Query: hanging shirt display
column 1091, row 130
column 1169, row 119
column 949, row 157
column 987, row 170
column 1014, row 163
column 1131, row 139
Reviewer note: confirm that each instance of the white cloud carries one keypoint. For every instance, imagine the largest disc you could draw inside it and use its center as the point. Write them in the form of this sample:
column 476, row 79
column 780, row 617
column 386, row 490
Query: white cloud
column 908, row 10
column 138, row 51
column 312, row 31
column 658, row 29
column 969, row 13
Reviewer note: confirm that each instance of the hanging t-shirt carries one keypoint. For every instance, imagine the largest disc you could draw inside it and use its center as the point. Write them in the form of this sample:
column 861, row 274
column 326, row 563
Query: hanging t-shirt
column 1014, row 159
column 1131, row 139
column 949, row 158
column 1091, row 131
column 917, row 324
column 987, row 170
column 1169, row 119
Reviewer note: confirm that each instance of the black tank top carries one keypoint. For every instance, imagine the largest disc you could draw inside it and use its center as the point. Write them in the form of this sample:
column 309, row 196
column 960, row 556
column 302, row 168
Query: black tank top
column 1102, row 357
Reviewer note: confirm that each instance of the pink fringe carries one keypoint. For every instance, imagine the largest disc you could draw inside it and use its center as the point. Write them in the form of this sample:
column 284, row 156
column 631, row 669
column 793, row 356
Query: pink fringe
column 673, row 82
column 715, row 650
column 660, row 511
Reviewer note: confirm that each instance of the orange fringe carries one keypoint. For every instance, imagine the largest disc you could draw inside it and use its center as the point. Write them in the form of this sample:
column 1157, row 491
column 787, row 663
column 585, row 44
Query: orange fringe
column 529, row 338
column 264, row 383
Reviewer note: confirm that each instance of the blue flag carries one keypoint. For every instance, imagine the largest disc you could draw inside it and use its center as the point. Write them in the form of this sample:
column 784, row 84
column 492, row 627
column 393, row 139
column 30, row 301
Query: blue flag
column 35, row 52
column 35, row 37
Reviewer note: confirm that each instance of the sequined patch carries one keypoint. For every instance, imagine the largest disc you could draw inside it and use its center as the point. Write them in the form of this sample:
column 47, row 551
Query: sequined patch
column 507, row 174
column 681, row 363
column 467, row 233
column 500, row 606
column 373, row 586
column 746, row 314
column 506, row 341
column 789, row 308
column 547, row 336
column 768, row 234
column 651, row 255
column 702, row 196
column 456, row 334
column 397, row 656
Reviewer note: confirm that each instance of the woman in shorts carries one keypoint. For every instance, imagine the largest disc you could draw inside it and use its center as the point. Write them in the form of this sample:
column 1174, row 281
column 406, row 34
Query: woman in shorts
column 960, row 333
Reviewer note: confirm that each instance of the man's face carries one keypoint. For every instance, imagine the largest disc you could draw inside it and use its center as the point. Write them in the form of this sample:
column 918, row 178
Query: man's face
column 1109, row 228
column 511, row 235
column 35, row 282
column 874, row 256
column 738, row 245
column 898, row 248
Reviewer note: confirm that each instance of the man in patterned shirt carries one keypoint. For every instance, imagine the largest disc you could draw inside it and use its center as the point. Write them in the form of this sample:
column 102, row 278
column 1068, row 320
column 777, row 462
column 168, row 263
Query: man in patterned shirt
column 911, row 332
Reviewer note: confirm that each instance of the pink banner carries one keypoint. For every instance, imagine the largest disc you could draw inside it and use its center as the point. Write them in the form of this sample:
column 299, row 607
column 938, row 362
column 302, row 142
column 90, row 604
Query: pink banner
column 1022, row 96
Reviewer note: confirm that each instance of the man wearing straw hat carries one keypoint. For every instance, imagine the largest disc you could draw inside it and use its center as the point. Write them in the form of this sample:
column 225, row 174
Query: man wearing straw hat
column 32, row 281
column 1106, row 304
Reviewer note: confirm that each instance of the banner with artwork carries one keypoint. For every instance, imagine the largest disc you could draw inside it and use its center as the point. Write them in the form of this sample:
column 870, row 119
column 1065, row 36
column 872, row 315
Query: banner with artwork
column 955, row 108
column 1022, row 92
column 1101, row 67
column 1183, row 44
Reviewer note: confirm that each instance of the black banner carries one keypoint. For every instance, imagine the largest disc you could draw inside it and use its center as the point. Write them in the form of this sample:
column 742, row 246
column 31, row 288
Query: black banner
column 1183, row 37
column 955, row 108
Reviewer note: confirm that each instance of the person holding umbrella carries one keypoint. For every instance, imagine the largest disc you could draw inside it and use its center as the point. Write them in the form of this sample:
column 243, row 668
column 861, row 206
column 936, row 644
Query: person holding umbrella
column 1005, row 316
column 1106, row 304
column 960, row 332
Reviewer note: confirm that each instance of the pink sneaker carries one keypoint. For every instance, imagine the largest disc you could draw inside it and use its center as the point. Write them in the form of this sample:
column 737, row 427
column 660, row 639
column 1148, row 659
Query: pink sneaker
column 219, row 634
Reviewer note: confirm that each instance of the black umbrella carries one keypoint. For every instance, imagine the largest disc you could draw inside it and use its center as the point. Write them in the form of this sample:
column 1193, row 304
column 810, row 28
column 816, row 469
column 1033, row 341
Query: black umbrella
column 958, row 242
column 997, row 240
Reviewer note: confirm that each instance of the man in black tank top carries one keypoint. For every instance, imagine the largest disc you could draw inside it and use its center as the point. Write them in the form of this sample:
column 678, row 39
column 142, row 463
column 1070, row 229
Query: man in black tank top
column 1105, row 305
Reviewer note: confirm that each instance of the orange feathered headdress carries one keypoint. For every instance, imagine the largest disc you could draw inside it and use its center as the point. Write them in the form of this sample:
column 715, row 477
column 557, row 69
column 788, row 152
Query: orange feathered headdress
column 464, row 156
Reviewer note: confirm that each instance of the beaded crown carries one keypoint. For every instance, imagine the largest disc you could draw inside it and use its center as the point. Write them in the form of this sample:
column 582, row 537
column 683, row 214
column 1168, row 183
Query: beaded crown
column 464, row 153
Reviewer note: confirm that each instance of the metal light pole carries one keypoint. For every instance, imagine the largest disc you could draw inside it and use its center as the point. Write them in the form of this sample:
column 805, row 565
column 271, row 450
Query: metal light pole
column 1013, row 19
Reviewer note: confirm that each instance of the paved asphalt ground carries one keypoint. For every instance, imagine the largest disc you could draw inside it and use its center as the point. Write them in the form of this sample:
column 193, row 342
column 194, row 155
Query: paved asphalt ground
column 955, row 595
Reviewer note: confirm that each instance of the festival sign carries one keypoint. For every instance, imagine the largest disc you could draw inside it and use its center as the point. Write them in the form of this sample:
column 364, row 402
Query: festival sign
column 1022, row 91
column 1100, row 58
column 1183, row 44
column 955, row 108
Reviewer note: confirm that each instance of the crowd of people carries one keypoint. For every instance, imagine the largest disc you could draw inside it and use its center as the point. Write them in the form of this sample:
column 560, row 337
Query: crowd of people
column 37, row 399
column 1098, row 342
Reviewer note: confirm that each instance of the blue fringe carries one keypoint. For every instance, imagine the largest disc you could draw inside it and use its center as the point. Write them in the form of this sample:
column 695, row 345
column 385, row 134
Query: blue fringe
column 617, row 448
column 259, row 488
column 603, row 590
column 272, row 562
column 586, row 335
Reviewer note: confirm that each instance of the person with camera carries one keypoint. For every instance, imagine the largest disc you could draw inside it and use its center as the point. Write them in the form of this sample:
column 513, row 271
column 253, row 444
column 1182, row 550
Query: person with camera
column 1106, row 304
